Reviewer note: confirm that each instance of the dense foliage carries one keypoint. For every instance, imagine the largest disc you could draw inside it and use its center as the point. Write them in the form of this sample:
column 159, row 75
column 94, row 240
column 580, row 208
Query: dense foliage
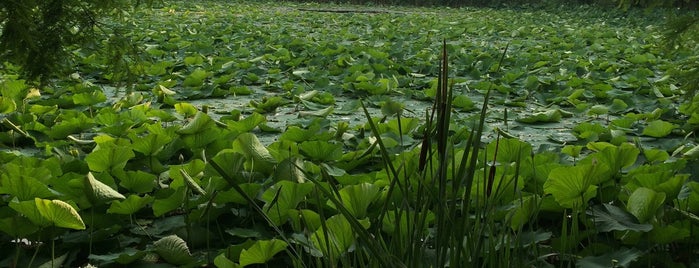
column 35, row 34
column 289, row 136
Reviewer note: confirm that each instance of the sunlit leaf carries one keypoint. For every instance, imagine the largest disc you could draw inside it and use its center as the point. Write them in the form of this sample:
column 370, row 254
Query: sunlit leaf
column 659, row 128
column 262, row 251
column 644, row 203
column 98, row 191
column 571, row 186
column 59, row 213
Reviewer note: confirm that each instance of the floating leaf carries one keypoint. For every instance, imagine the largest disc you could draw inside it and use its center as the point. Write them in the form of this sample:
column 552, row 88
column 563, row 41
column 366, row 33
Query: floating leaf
column 262, row 251
column 173, row 249
column 59, row 213
column 659, row 128
column 644, row 203
column 553, row 115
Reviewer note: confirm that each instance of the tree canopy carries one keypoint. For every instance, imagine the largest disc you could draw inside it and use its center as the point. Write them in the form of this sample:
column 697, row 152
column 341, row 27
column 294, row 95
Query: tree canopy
column 36, row 33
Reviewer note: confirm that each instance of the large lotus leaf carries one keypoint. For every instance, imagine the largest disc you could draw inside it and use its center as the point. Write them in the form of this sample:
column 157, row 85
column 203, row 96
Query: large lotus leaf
column 620, row 258
column 509, row 150
column 611, row 218
column 644, row 203
column 251, row 189
column 97, row 191
column 93, row 97
column 553, row 115
column 282, row 196
column 130, row 205
column 233, row 164
column 169, row 203
column 200, row 123
column 108, row 156
column 304, row 219
column 571, row 186
column 22, row 183
column 196, row 78
column 60, row 213
column 619, row 157
column 670, row 233
column 17, row 226
column 262, row 251
column 29, row 210
column 659, row 128
column 321, row 151
column 290, row 169
column 357, row 198
column 258, row 156
column 339, row 234
column 7, row 105
column 173, row 249
column 186, row 109
column 523, row 210
column 138, row 181
column 660, row 181
column 151, row 144
column 247, row 124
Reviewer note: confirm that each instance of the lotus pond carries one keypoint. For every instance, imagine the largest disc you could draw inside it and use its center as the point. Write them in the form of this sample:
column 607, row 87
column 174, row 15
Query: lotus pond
column 307, row 135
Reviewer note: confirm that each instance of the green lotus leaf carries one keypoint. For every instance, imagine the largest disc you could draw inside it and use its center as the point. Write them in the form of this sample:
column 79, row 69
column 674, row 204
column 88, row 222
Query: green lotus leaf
column 644, row 203
column 257, row 155
column 281, row 197
column 659, row 128
column 59, row 213
column 611, row 218
column 130, row 205
column 173, row 249
column 571, row 186
column 321, row 150
column 22, row 181
column 169, row 203
column 98, row 191
column 357, row 198
column 261, row 252
column 553, row 115
column 339, row 234
column 108, row 156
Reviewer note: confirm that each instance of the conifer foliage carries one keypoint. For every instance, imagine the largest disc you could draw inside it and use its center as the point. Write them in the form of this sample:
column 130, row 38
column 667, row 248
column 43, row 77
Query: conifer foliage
column 35, row 34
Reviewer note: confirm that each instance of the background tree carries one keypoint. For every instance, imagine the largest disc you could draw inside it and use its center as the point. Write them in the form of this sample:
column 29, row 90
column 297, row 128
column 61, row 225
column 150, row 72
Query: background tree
column 36, row 34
